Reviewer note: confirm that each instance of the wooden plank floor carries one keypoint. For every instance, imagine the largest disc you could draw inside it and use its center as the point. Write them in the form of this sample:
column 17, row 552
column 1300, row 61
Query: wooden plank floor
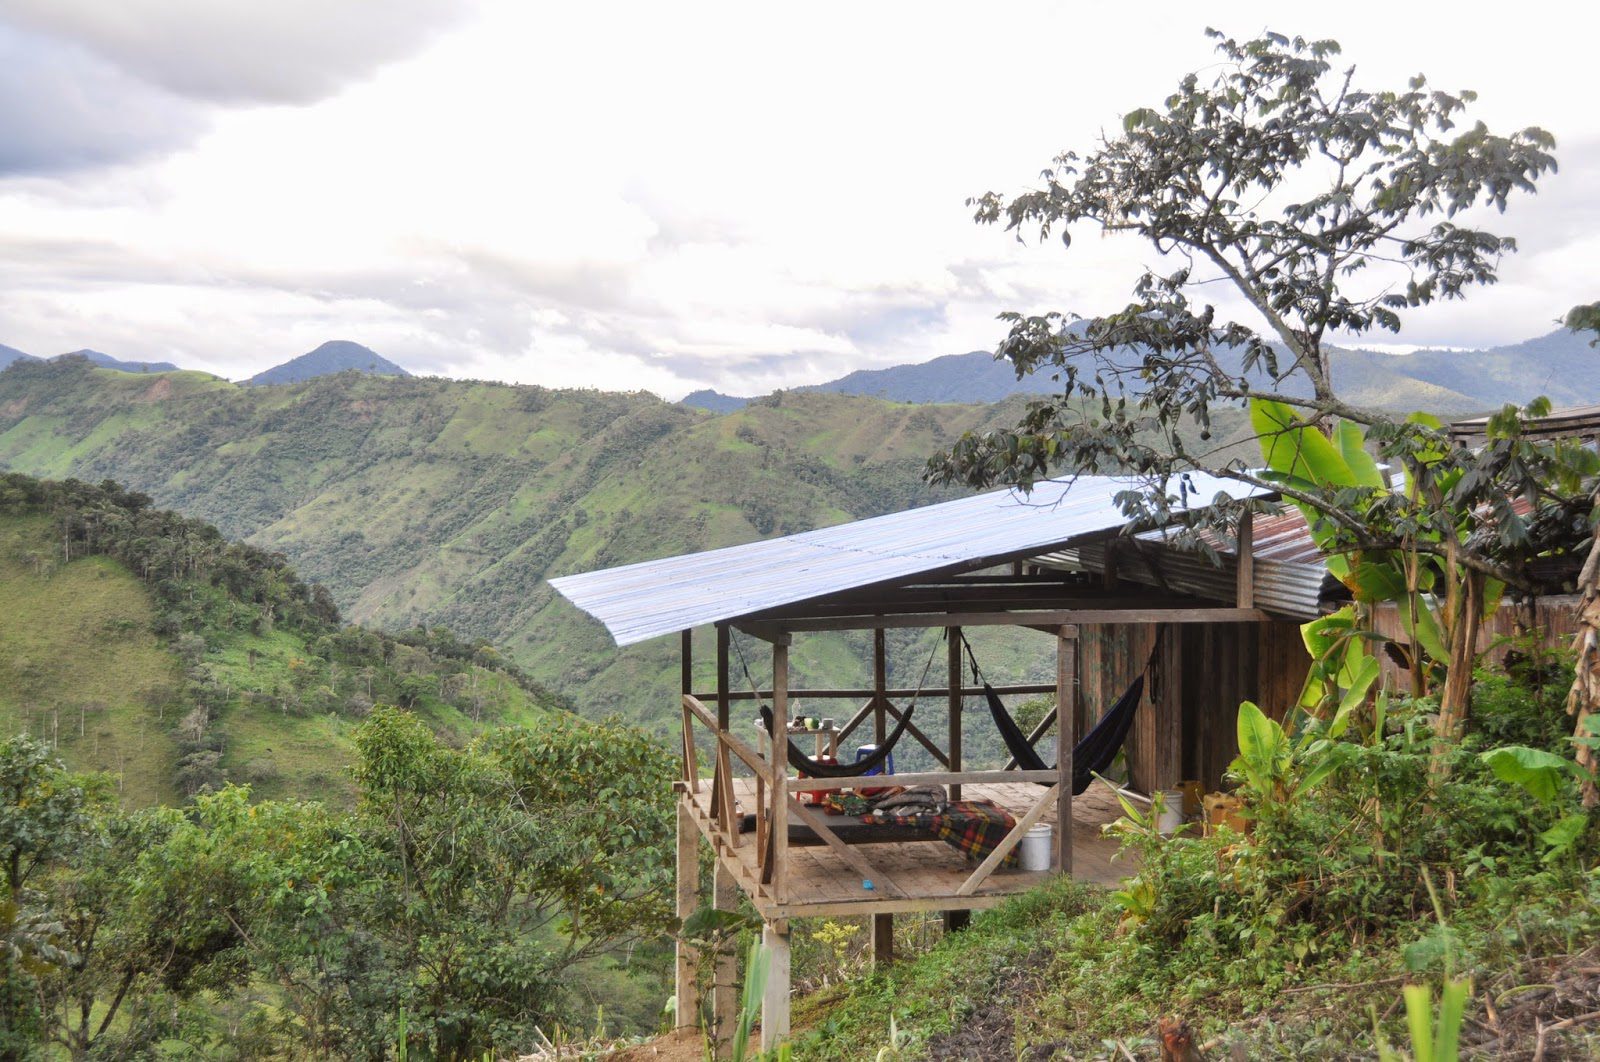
column 928, row 872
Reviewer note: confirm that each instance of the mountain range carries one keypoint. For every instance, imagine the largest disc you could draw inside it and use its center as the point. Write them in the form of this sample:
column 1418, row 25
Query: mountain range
column 337, row 355
column 1560, row 365
column 450, row 503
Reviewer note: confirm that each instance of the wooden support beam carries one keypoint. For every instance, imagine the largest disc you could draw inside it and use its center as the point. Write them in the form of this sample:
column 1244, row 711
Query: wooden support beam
column 777, row 782
column 1066, row 712
column 897, row 693
column 687, row 1010
column 691, row 766
column 1197, row 613
column 752, row 759
column 725, row 970
column 691, row 760
column 935, row 778
column 722, row 676
column 882, row 940
column 880, row 683
column 775, row 1000
column 953, row 701
column 861, row 714
column 1247, row 562
column 977, row 599
column 853, row 857
column 911, row 728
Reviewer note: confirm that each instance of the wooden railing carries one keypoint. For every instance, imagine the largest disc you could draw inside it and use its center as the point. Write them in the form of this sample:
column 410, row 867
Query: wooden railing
column 777, row 799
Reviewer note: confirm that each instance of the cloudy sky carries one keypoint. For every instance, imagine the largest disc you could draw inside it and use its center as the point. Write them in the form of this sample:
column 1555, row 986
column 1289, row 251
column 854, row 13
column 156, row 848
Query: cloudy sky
column 660, row 196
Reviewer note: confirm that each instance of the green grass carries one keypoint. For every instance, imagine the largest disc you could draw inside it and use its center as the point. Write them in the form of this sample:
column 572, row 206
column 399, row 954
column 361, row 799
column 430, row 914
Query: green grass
column 80, row 665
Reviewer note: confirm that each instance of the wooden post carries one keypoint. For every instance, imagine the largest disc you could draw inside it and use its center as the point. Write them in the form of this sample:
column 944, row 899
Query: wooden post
column 953, row 683
column 882, row 939
column 778, row 783
column 688, row 899
column 1066, row 693
column 722, row 676
column 1247, row 563
column 686, row 681
column 775, row 1001
column 880, row 683
column 725, row 971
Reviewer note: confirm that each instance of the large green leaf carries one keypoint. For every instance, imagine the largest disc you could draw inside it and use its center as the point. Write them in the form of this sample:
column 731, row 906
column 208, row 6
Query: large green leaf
column 1543, row 774
column 1295, row 449
column 1263, row 750
column 1426, row 631
column 1364, row 471
column 1564, row 834
column 1355, row 694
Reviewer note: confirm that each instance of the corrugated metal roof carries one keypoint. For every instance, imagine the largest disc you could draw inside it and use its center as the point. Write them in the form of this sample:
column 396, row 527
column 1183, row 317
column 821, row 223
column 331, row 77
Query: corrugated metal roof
column 1291, row 576
column 641, row 601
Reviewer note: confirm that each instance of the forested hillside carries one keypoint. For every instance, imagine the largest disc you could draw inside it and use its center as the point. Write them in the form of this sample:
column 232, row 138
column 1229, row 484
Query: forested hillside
column 449, row 502
column 144, row 644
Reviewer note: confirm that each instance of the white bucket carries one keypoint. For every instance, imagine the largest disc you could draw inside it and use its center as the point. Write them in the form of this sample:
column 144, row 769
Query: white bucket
column 1171, row 812
column 1035, row 848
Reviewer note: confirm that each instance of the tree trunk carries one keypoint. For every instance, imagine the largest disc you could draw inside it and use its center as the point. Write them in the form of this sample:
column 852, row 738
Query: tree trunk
column 1457, row 690
column 1584, row 699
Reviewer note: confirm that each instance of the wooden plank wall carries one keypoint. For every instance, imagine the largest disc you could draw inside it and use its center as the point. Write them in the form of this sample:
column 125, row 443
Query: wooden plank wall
column 1553, row 620
column 1112, row 655
column 1281, row 666
column 1186, row 726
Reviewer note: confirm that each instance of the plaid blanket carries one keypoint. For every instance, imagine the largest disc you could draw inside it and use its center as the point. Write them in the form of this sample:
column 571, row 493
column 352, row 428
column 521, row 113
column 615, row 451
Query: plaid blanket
column 972, row 827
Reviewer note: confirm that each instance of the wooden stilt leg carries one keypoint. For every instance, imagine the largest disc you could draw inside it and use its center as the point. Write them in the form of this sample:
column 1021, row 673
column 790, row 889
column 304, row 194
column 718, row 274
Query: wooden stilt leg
column 775, row 1002
column 1066, row 693
column 688, row 899
column 725, row 971
column 882, row 939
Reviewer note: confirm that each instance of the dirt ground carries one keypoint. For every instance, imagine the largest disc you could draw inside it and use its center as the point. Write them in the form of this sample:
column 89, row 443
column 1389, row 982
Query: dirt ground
column 685, row 1045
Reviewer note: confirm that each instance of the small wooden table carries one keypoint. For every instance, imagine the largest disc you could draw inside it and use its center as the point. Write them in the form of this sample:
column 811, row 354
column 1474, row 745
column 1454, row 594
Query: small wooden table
column 827, row 739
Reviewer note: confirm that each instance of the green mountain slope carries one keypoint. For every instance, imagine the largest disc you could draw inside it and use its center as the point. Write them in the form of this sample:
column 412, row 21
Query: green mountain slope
column 81, row 665
column 450, row 502
column 146, row 645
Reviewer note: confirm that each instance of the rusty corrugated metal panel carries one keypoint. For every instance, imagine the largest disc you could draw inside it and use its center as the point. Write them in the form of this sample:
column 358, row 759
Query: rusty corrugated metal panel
column 641, row 601
column 1290, row 577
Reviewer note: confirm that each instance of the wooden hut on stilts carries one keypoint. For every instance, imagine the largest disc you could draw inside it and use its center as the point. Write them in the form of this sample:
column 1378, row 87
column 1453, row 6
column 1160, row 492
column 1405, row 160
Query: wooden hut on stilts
column 1124, row 611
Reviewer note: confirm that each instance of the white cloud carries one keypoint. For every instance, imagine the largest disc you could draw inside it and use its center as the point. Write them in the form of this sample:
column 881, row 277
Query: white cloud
column 665, row 196
column 233, row 51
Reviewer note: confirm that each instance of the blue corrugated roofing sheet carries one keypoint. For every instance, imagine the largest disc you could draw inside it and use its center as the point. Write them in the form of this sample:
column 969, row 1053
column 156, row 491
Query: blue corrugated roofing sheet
column 640, row 601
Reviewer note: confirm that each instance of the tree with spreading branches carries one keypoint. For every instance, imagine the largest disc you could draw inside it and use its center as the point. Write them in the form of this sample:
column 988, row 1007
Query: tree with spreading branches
column 1325, row 210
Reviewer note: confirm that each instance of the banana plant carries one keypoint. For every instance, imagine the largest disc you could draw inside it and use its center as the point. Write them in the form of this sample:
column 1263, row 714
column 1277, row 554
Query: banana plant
column 1339, row 465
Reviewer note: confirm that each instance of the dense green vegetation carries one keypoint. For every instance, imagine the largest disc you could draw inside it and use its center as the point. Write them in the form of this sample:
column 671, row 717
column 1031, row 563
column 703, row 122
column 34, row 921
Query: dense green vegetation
column 428, row 848
column 472, row 896
column 1295, row 940
column 145, row 644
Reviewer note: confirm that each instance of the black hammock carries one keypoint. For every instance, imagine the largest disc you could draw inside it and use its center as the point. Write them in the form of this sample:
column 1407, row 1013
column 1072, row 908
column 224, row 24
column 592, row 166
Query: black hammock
column 816, row 769
column 1090, row 756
